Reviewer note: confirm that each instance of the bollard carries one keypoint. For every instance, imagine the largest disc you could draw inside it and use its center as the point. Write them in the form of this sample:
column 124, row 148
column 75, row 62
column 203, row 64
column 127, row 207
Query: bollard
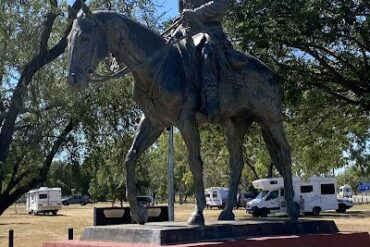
column 11, row 238
column 70, row 233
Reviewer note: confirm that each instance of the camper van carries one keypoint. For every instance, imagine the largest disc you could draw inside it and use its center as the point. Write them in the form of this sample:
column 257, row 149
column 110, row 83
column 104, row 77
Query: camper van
column 216, row 197
column 44, row 200
column 319, row 194
column 345, row 191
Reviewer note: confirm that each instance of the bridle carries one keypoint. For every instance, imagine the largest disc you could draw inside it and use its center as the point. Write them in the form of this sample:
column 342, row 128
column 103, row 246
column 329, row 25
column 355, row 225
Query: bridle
column 125, row 70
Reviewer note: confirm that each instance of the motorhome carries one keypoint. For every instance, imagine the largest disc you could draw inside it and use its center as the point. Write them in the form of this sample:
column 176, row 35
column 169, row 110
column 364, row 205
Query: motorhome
column 345, row 191
column 319, row 194
column 216, row 197
column 44, row 200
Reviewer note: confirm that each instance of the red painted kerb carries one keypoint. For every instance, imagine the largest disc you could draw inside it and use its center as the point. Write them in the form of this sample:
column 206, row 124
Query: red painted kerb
column 342, row 239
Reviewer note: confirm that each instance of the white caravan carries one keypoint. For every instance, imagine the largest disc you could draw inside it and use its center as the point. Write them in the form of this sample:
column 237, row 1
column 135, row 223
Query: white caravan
column 345, row 191
column 216, row 197
column 44, row 200
column 319, row 194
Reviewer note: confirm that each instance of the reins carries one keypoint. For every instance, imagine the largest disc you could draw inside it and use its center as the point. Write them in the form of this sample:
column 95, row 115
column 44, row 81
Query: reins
column 124, row 71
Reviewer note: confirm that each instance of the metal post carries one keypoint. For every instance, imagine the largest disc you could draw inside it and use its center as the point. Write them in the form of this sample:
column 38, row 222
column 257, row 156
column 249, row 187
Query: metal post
column 171, row 199
column 11, row 238
column 70, row 233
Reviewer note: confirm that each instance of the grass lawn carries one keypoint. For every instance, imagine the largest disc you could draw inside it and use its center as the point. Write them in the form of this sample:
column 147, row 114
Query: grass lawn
column 32, row 231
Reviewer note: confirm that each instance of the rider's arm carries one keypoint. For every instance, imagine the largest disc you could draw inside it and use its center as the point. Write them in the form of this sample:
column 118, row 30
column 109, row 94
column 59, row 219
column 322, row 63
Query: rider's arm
column 213, row 10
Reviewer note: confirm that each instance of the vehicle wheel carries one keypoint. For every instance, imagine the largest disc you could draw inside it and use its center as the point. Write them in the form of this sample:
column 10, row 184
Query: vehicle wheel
column 316, row 211
column 341, row 209
column 255, row 214
column 55, row 212
column 83, row 203
column 264, row 212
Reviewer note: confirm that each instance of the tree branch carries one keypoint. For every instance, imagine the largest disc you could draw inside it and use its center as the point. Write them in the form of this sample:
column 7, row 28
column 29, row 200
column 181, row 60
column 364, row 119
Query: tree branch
column 339, row 78
column 253, row 168
column 347, row 64
column 42, row 174
column 46, row 31
column 41, row 59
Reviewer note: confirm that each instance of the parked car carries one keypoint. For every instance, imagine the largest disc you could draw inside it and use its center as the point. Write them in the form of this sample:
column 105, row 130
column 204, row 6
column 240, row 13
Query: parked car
column 145, row 200
column 75, row 199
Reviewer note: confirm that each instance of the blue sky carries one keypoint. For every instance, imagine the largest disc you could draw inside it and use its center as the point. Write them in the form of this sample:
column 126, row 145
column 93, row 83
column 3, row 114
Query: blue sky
column 169, row 6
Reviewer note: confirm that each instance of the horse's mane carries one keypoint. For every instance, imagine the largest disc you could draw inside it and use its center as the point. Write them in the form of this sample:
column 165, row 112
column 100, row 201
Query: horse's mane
column 107, row 16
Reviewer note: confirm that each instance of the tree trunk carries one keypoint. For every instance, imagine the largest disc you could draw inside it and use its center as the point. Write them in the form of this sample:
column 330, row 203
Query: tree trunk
column 270, row 170
column 44, row 57
column 7, row 198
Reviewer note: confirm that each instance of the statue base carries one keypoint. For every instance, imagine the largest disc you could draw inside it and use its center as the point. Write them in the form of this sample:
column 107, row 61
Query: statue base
column 272, row 233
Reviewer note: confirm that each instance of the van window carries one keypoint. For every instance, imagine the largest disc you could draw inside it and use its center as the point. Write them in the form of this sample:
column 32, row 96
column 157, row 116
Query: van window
column 327, row 189
column 273, row 195
column 282, row 192
column 43, row 196
column 306, row 188
column 207, row 195
column 214, row 194
column 273, row 182
column 262, row 194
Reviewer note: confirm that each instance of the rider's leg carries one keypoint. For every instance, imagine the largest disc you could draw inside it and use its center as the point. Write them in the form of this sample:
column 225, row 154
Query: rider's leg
column 210, row 80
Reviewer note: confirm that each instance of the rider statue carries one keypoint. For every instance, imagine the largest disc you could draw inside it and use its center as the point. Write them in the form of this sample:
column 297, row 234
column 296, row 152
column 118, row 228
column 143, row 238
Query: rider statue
column 202, row 18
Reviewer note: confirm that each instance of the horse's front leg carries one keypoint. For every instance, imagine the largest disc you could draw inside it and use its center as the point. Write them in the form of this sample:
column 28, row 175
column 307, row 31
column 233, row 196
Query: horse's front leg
column 146, row 134
column 189, row 131
column 235, row 131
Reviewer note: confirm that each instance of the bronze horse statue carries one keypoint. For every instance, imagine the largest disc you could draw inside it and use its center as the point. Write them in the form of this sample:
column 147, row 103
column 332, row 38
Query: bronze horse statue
column 167, row 97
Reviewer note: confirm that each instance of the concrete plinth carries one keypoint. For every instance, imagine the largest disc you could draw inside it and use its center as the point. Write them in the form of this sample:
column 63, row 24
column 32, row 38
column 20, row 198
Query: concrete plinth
column 169, row 233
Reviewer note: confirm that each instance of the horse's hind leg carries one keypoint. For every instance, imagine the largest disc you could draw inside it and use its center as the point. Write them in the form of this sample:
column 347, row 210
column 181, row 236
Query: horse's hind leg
column 146, row 134
column 190, row 133
column 280, row 153
column 235, row 131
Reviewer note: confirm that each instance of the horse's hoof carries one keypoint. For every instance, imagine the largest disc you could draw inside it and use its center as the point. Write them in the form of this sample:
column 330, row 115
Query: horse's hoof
column 196, row 219
column 226, row 215
column 139, row 214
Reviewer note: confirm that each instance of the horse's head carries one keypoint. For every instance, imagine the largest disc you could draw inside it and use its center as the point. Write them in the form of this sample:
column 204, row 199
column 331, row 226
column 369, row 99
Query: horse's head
column 87, row 47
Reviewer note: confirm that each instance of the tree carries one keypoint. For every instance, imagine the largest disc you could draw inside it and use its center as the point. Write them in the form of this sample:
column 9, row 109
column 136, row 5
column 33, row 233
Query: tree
column 36, row 121
column 30, row 134
column 320, row 52
column 323, row 44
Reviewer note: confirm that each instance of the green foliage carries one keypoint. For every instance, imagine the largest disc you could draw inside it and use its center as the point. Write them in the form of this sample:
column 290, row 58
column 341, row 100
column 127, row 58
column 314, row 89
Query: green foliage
column 324, row 44
column 320, row 50
column 352, row 175
column 42, row 106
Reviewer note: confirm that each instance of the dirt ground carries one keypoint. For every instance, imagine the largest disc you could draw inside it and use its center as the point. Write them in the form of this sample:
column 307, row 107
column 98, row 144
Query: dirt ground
column 32, row 231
